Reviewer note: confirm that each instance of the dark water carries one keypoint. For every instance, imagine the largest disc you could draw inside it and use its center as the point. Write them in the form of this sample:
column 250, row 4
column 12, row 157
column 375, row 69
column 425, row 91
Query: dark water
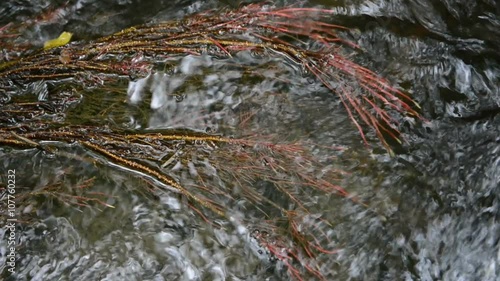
column 434, row 208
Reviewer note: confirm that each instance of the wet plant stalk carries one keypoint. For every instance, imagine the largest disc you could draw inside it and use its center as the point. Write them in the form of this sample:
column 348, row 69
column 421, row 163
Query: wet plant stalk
column 274, row 32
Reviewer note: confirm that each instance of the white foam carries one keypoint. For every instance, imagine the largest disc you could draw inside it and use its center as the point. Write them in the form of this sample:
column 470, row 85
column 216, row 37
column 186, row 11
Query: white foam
column 135, row 90
column 159, row 90
column 191, row 64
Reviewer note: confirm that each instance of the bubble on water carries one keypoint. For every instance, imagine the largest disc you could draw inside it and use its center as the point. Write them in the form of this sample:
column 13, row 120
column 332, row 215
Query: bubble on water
column 179, row 98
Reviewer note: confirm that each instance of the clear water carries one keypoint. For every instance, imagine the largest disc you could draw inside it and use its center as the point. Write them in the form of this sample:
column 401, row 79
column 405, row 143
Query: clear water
column 433, row 209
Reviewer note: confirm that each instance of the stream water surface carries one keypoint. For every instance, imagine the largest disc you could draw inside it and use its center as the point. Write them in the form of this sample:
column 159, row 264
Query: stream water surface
column 432, row 210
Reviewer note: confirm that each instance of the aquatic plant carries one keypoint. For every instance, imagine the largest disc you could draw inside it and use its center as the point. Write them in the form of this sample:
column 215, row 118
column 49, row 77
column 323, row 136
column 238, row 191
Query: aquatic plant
column 270, row 31
column 222, row 169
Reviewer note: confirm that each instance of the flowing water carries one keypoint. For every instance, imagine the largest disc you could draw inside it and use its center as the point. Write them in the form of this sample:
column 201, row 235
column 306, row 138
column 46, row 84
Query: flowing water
column 433, row 209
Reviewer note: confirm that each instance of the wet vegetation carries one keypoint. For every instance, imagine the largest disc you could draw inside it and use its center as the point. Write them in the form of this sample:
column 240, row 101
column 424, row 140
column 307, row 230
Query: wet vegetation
column 220, row 130
column 218, row 164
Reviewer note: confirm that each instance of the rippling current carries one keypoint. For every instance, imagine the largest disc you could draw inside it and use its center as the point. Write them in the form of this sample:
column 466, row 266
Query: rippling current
column 434, row 208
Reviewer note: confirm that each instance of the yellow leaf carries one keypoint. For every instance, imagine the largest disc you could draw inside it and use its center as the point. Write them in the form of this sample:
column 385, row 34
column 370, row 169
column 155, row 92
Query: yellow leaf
column 62, row 40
